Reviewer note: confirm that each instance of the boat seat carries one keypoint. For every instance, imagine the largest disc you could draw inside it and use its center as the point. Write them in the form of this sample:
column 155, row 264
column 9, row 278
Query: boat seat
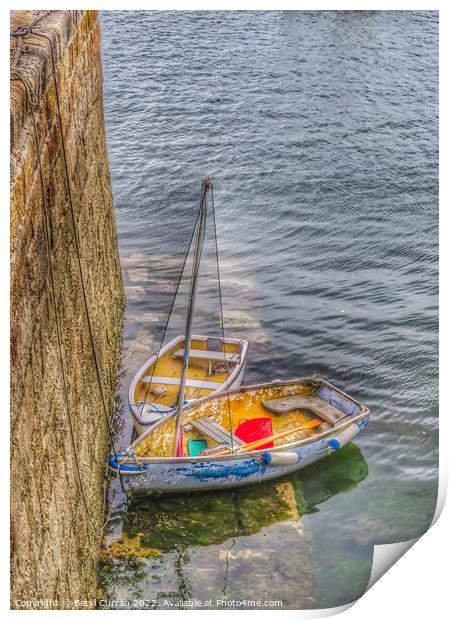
column 217, row 356
column 317, row 405
column 214, row 343
column 207, row 426
column 206, row 385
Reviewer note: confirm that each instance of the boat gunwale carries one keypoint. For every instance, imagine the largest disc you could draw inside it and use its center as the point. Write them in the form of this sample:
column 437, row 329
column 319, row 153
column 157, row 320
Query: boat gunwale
column 342, row 425
column 244, row 345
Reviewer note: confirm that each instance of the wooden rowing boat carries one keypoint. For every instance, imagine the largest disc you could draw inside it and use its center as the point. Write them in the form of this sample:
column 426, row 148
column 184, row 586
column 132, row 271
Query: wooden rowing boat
column 215, row 364
column 310, row 419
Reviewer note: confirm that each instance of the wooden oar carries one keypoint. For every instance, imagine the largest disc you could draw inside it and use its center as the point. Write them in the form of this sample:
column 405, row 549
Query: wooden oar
column 252, row 445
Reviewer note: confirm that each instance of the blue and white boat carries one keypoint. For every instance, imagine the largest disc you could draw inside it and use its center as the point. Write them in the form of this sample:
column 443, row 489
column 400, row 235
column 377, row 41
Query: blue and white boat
column 309, row 420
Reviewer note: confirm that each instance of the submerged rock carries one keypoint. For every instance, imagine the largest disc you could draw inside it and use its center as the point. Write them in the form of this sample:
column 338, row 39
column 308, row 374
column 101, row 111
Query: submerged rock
column 220, row 546
column 135, row 293
column 137, row 274
column 133, row 260
column 127, row 547
column 143, row 318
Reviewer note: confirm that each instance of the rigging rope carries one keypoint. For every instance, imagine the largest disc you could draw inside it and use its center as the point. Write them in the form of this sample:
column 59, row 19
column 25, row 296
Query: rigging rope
column 196, row 260
column 231, row 427
column 172, row 306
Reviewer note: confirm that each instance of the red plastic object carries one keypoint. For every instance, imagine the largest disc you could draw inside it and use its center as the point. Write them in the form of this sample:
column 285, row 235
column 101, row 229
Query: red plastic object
column 255, row 428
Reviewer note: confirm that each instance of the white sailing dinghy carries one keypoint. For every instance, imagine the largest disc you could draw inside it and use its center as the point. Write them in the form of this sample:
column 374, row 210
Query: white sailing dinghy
column 241, row 436
column 204, row 365
column 214, row 365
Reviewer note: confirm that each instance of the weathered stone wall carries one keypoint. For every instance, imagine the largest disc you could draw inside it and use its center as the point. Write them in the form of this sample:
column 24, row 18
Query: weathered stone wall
column 55, row 541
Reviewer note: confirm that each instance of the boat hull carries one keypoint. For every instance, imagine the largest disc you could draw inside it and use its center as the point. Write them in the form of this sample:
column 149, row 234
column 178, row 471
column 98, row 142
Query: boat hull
column 190, row 477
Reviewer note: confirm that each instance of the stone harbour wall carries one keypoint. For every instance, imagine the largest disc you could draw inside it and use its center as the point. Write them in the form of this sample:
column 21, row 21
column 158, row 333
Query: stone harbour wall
column 59, row 438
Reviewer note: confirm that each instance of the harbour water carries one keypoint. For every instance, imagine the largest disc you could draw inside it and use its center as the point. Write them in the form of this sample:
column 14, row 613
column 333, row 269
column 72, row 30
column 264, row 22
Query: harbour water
column 319, row 130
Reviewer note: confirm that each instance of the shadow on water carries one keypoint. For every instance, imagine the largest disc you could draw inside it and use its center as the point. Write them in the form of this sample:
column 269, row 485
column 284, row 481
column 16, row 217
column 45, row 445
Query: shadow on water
column 205, row 546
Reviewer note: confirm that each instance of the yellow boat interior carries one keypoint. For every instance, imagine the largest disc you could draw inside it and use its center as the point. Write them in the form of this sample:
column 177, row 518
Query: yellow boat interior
column 288, row 407
column 210, row 363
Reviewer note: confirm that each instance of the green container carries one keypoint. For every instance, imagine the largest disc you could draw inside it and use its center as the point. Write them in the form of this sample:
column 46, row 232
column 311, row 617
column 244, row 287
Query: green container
column 194, row 446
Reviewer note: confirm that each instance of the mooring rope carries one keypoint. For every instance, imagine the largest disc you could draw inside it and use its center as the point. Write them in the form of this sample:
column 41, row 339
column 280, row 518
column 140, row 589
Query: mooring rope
column 23, row 31
column 78, row 256
column 17, row 74
column 76, row 239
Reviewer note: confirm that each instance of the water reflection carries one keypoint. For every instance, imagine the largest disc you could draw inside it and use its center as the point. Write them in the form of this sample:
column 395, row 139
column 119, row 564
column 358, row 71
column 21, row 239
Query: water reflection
column 222, row 546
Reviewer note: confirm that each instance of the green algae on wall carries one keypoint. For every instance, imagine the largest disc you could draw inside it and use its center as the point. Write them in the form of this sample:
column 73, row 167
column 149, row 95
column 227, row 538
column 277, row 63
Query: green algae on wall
column 58, row 452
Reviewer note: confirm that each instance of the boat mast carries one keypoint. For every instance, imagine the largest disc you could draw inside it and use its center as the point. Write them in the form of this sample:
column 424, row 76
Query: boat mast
column 206, row 186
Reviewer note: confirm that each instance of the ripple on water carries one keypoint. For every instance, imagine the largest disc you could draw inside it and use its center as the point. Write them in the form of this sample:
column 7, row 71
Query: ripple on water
column 319, row 129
